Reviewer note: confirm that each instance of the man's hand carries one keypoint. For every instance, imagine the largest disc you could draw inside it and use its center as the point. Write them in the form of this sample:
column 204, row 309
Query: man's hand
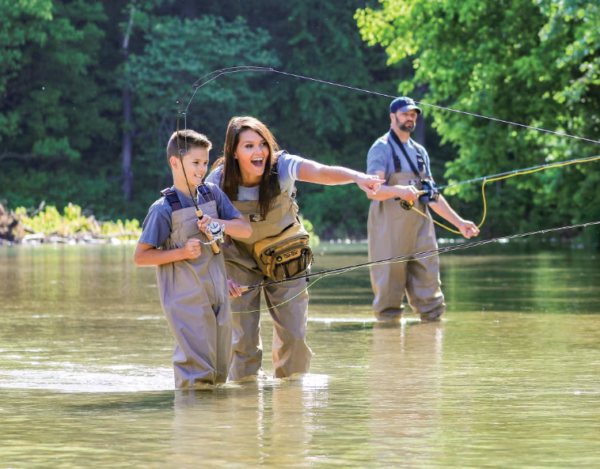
column 192, row 249
column 369, row 183
column 234, row 289
column 203, row 224
column 468, row 229
column 408, row 193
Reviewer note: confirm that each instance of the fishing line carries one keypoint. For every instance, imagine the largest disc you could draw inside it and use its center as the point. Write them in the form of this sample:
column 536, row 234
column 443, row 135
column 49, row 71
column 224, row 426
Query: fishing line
column 420, row 255
column 518, row 171
column 401, row 259
column 209, row 77
column 214, row 75
column 499, row 177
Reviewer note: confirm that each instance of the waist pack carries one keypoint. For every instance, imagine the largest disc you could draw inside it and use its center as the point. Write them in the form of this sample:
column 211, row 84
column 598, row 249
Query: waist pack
column 285, row 255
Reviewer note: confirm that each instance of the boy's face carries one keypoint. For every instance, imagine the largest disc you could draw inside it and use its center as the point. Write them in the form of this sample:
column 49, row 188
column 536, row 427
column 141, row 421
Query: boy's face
column 196, row 166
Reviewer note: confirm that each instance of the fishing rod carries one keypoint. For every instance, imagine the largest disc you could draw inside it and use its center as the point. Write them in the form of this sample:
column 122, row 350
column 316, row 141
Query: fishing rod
column 499, row 177
column 214, row 231
column 419, row 255
column 519, row 171
column 214, row 75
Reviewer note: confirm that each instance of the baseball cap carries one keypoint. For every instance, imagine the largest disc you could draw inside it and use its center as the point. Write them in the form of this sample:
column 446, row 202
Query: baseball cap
column 403, row 104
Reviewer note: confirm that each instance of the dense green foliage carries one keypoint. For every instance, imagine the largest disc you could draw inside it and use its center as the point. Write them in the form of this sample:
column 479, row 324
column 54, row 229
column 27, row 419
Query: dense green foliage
column 531, row 62
column 67, row 65
column 73, row 224
column 68, row 69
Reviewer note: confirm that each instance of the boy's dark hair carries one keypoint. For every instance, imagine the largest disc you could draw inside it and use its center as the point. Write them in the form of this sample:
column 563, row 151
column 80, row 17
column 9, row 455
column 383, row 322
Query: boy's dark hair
column 183, row 141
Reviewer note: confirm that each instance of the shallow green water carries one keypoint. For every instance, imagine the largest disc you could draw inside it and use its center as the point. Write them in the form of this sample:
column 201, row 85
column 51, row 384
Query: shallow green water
column 510, row 378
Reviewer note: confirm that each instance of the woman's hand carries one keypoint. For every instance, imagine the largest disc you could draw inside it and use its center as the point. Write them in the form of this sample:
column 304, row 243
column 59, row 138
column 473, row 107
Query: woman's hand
column 369, row 183
column 234, row 289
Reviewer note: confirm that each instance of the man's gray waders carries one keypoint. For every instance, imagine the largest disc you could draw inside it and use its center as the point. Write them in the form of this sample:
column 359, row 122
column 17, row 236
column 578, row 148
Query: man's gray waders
column 291, row 354
column 195, row 299
column 394, row 231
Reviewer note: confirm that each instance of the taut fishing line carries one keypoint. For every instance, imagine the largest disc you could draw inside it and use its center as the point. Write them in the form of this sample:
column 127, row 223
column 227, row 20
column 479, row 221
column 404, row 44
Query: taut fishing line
column 214, row 75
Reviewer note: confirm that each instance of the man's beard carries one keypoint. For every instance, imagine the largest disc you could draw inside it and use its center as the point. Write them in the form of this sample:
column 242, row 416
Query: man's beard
column 405, row 128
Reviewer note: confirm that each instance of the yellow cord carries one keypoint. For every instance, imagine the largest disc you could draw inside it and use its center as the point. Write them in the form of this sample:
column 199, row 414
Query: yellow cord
column 558, row 165
column 436, row 222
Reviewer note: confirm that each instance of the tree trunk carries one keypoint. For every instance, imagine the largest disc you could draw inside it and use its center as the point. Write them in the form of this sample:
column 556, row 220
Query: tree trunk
column 127, row 149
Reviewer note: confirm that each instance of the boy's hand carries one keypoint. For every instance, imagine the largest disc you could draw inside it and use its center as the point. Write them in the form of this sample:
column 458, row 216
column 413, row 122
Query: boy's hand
column 192, row 249
column 203, row 224
column 234, row 289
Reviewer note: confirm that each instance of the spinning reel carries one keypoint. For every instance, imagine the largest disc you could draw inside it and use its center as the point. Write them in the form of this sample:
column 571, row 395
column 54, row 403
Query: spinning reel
column 214, row 232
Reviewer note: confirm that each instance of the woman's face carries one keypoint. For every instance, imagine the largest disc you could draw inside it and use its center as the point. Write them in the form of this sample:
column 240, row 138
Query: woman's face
column 252, row 153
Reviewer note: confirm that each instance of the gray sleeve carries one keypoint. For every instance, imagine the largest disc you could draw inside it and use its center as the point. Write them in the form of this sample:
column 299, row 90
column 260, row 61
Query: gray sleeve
column 215, row 176
column 224, row 206
column 156, row 228
column 427, row 161
column 377, row 158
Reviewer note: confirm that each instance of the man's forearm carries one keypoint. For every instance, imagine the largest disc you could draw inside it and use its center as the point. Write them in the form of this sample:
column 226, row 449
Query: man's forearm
column 443, row 209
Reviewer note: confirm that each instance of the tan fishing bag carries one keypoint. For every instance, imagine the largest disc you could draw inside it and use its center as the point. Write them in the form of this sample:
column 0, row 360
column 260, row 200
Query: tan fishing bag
column 285, row 255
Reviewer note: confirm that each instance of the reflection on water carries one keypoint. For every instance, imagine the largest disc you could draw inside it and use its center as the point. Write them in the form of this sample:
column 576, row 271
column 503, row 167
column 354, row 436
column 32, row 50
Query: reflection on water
column 510, row 378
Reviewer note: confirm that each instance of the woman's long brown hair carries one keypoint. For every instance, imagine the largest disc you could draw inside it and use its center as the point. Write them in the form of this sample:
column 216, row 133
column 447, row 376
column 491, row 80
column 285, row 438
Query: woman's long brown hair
column 231, row 178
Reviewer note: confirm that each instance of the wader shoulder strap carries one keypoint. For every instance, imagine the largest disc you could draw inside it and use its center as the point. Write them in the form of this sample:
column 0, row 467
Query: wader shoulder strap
column 420, row 159
column 171, row 196
column 205, row 192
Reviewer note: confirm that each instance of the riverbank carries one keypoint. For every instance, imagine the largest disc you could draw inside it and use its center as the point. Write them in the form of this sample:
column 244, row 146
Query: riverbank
column 47, row 225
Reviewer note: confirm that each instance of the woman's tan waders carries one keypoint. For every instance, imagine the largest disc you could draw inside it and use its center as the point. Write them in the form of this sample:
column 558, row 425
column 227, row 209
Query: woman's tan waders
column 291, row 354
column 394, row 231
column 195, row 300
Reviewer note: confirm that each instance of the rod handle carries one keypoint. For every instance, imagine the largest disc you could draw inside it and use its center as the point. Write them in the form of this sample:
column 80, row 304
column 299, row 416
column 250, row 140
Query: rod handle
column 214, row 246
column 244, row 288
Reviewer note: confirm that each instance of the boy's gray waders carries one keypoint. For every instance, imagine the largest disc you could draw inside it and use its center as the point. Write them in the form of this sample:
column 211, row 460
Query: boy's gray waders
column 394, row 231
column 195, row 300
column 291, row 354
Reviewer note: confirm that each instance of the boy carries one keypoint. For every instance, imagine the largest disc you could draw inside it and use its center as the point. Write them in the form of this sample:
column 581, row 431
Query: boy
column 191, row 278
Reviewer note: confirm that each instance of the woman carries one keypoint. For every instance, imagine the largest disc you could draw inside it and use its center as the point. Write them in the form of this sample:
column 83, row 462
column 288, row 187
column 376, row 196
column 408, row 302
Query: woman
column 259, row 180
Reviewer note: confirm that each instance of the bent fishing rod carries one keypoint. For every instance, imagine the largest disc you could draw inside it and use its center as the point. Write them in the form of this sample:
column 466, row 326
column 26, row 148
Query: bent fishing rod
column 214, row 75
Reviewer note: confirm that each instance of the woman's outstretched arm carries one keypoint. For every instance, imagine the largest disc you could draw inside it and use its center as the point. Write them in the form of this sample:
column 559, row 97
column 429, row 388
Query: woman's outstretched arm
column 317, row 173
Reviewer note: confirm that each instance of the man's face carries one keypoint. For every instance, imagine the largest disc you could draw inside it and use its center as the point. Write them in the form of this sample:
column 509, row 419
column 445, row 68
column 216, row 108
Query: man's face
column 405, row 121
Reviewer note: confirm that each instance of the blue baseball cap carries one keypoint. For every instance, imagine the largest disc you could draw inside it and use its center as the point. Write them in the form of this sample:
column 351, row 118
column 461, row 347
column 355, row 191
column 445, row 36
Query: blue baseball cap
column 403, row 104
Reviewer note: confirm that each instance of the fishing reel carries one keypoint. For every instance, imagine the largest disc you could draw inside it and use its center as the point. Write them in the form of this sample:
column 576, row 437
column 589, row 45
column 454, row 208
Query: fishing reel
column 214, row 232
column 430, row 193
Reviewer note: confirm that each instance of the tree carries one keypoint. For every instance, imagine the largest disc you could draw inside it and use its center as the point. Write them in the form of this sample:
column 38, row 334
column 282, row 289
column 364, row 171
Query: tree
column 531, row 62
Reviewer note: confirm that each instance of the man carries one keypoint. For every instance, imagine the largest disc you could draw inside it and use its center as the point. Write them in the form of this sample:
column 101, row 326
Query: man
column 395, row 229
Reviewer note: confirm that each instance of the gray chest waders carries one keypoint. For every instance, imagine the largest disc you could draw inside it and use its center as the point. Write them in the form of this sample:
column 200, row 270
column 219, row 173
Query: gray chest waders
column 394, row 231
column 291, row 354
column 195, row 301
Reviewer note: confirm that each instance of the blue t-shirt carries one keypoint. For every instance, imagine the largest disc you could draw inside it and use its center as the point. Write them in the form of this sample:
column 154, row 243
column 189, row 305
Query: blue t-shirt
column 288, row 167
column 380, row 157
column 157, row 225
